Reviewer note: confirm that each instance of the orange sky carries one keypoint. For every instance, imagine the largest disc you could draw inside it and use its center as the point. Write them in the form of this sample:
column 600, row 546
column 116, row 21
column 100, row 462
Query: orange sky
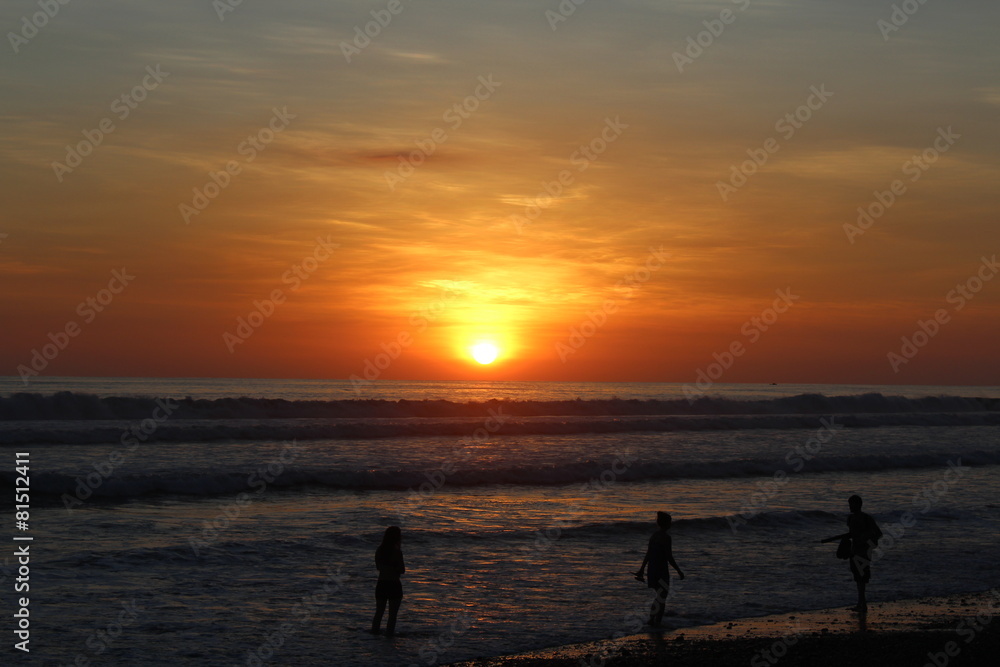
column 443, row 255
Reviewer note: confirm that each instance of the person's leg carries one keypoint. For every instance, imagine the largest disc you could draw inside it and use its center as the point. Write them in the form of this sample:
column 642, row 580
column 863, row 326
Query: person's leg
column 661, row 593
column 379, row 610
column 390, row 624
column 861, row 569
column 658, row 605
column 866, row 575
column 856, row 575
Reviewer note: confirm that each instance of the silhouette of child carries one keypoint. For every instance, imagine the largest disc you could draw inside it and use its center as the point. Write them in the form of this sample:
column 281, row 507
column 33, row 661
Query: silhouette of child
column 388, row 589
column 659, row 556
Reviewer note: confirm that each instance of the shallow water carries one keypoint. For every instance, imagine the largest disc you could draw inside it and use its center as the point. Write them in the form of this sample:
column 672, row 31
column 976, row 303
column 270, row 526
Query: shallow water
column 513, row 542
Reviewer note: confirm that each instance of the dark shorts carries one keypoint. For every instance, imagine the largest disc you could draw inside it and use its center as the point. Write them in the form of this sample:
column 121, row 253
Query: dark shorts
column 861, row 568
column 657, row 581
column 393, row 590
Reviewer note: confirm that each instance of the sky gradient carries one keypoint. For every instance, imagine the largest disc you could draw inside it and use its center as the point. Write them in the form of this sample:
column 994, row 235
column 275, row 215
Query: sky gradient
column 576, row 190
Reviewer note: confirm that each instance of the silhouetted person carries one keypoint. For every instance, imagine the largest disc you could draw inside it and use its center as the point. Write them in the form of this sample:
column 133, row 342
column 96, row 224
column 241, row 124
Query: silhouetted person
column 659, row 555
column 864, row 534
column 388, row 589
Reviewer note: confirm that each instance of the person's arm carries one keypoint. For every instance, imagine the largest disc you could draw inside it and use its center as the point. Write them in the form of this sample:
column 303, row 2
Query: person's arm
column 640, row 575
column 876, row 531
column 842, row 535
column 670, row 558
column 390, row 566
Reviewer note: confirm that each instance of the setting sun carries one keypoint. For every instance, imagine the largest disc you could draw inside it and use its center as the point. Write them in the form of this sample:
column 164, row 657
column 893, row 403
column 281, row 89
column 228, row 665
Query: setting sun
column 485, row 353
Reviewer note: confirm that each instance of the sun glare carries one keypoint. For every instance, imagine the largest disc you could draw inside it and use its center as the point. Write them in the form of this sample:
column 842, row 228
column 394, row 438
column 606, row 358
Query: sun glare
column 485, row 353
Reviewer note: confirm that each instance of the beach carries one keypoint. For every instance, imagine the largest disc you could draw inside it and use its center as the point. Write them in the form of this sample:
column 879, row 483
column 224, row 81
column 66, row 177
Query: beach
column 938, row 631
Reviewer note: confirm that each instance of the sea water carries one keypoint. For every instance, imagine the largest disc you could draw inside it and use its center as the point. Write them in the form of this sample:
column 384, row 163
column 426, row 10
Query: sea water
column 234, row 522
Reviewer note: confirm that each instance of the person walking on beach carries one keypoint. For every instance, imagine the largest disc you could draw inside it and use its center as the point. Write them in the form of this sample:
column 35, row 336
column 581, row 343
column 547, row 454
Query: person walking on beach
column 388, row 589
column 864, row 534
column 659, row 555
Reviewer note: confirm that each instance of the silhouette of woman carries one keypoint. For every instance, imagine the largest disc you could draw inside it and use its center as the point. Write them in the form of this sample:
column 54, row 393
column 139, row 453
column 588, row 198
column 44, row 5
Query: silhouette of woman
column 388, row 589
column 659, row 555
column 864, row 534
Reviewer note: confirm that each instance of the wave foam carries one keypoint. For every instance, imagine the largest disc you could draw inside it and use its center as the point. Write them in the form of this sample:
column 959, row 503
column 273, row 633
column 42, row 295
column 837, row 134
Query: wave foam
column 77, row 406
column 220, row 483
column 68, row 418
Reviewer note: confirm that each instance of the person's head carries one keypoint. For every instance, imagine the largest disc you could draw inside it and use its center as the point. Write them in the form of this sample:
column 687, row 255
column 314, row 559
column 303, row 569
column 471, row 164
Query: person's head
column 854, row 502
column 663, row 520
column 392, row 537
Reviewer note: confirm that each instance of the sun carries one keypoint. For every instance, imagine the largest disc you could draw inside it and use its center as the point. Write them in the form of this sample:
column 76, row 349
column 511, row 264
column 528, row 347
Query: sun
column 485, row 353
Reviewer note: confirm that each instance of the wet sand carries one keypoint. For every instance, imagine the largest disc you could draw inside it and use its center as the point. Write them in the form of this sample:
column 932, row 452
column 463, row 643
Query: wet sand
column 938, row 631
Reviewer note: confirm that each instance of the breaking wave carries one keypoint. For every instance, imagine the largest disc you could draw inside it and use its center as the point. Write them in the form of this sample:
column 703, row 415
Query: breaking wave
column 220, row 482
column 73, row 418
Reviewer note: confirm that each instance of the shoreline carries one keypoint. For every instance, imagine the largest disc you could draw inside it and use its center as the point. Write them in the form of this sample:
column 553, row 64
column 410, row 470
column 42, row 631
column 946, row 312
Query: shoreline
column 957, row 629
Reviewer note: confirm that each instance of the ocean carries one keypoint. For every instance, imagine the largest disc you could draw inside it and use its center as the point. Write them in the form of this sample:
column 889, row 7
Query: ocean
column 234, row 522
